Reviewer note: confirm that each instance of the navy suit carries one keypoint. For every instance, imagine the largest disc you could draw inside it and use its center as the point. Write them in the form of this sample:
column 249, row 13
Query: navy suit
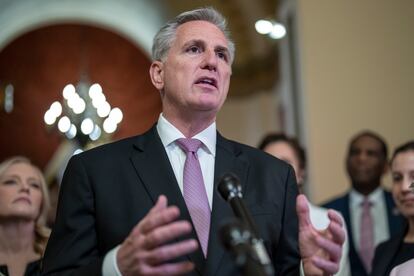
column 106, row 191
column 395, row 222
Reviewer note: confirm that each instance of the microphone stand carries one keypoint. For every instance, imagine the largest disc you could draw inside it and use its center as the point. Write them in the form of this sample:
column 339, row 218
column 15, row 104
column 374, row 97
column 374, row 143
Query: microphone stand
column 230, row 189
column 237, row 239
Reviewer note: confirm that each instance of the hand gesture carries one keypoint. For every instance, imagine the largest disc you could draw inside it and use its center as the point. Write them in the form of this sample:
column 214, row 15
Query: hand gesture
column 145, row 252
column 320, row 250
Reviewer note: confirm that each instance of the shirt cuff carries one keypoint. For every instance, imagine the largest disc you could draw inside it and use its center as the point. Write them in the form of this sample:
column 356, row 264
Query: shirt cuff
column 110, row 266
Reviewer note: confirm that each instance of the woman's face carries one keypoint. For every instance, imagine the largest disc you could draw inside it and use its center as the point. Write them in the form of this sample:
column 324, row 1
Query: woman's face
column 402, row 172
column 285, row 152
column 20, row 192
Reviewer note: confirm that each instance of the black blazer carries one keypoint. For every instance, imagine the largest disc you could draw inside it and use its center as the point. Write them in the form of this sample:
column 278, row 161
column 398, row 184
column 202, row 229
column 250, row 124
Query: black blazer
column 385, row 253
column 395, row 224
column 106, row 191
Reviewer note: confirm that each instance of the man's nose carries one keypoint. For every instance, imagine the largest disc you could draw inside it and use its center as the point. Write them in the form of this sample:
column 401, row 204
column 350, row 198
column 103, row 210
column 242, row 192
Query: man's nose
column 210, row 60
column 362, row 156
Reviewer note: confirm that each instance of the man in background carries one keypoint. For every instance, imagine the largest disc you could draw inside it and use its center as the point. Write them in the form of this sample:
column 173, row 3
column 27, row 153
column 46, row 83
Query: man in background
column 368, row 209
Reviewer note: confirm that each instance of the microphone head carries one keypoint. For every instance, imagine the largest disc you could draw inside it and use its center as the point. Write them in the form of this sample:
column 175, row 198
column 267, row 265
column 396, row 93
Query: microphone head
column 229, row 186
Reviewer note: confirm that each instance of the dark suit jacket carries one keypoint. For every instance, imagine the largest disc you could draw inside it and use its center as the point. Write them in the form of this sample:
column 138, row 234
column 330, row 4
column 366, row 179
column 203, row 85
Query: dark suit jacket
column 106, row 191
column 384, row 255
column 395, row 221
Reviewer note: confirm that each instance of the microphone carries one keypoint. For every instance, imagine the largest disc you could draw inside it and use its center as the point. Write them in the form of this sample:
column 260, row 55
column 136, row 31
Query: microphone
column 230, row 189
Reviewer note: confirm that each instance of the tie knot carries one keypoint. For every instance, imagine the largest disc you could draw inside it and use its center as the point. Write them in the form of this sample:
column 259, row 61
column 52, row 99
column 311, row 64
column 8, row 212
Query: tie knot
column 189, row 144
column 366, row 203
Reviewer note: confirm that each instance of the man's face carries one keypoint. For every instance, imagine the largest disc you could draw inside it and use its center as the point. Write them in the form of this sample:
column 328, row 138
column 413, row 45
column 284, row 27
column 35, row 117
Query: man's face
column 366, row 162
column 195, row 75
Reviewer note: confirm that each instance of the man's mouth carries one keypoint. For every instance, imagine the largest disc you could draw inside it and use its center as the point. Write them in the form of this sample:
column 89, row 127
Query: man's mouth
column 208, row 81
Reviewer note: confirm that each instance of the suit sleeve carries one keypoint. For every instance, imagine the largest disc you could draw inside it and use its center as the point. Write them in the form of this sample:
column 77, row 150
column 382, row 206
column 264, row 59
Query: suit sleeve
column 72, row 248
column 287, row 258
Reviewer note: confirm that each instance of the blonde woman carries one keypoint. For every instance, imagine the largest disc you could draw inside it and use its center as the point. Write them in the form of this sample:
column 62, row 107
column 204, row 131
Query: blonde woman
column 24, row 203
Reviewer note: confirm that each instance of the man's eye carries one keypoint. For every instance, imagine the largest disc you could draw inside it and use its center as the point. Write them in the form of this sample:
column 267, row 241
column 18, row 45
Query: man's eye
column 194, row 49
column 222, row 56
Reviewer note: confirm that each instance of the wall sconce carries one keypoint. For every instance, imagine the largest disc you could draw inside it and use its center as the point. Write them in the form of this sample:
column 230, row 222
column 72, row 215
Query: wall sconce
column 273, row 29
column 7, row 97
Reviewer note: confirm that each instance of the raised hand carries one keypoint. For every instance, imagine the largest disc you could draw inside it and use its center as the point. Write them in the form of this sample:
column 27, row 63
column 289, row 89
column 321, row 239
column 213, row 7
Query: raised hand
column 320, row 250
column 145, row 252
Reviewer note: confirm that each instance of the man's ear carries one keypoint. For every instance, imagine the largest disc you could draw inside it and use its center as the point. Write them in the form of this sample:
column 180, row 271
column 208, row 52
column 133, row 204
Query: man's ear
column 157, row 74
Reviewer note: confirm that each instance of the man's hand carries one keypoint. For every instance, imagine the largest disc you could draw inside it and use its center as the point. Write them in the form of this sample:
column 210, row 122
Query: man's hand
column 320, row 250
column 145, row 252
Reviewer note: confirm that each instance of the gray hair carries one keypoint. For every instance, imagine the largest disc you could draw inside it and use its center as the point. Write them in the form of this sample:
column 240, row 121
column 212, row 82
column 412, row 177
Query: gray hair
column 166, row 35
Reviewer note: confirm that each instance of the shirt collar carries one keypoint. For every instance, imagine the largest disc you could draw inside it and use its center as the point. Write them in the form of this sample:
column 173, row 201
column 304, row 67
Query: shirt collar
column 357, row 198
column 169, row 133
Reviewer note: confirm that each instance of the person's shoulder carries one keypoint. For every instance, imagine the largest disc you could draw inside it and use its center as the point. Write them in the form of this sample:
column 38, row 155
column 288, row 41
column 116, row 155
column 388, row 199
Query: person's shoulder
column 386, row 192
column 107, row 155
column 336, row 202
column 113, row 148
column 254, row 155
column 386, row 245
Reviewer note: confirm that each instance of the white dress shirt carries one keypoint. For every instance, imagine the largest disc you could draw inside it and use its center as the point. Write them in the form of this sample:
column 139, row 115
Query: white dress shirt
column 378, row 213
column 206, row 155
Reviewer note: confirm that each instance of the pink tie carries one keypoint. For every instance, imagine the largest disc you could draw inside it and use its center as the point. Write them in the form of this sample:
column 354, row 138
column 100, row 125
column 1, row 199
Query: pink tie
column 367, row 235
column 195, row 195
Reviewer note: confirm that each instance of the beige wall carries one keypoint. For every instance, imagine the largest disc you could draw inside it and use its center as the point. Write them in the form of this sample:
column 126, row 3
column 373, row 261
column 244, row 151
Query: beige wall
column 246, row 119
column 357, row 67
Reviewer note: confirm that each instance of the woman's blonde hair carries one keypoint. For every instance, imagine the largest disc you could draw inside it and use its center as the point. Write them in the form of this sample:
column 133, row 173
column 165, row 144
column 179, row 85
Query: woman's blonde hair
column 42, row 232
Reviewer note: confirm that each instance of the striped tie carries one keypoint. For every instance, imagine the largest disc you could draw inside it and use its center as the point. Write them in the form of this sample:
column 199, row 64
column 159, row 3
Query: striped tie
column 367, row 235
column 195, row 195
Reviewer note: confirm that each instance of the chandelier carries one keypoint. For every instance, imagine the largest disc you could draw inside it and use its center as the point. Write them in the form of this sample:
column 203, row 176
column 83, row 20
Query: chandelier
column 84, row 114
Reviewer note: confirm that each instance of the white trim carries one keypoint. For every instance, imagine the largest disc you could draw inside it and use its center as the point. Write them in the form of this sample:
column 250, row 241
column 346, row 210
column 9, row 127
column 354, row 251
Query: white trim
column 136, row 20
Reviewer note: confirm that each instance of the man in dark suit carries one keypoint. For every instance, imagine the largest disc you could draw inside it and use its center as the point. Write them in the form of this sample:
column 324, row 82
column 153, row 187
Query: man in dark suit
column 366, row 164
column 113, row 214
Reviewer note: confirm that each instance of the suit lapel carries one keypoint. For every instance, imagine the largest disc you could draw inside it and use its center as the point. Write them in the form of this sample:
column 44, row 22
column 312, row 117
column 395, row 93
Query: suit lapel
column 226, row 160
column 154, row 169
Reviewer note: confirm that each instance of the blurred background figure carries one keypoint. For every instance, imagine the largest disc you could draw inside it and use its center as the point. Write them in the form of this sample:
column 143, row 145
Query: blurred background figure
column 289, row 150
column 24, row 204
column 368, row 209
column 399, row 248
